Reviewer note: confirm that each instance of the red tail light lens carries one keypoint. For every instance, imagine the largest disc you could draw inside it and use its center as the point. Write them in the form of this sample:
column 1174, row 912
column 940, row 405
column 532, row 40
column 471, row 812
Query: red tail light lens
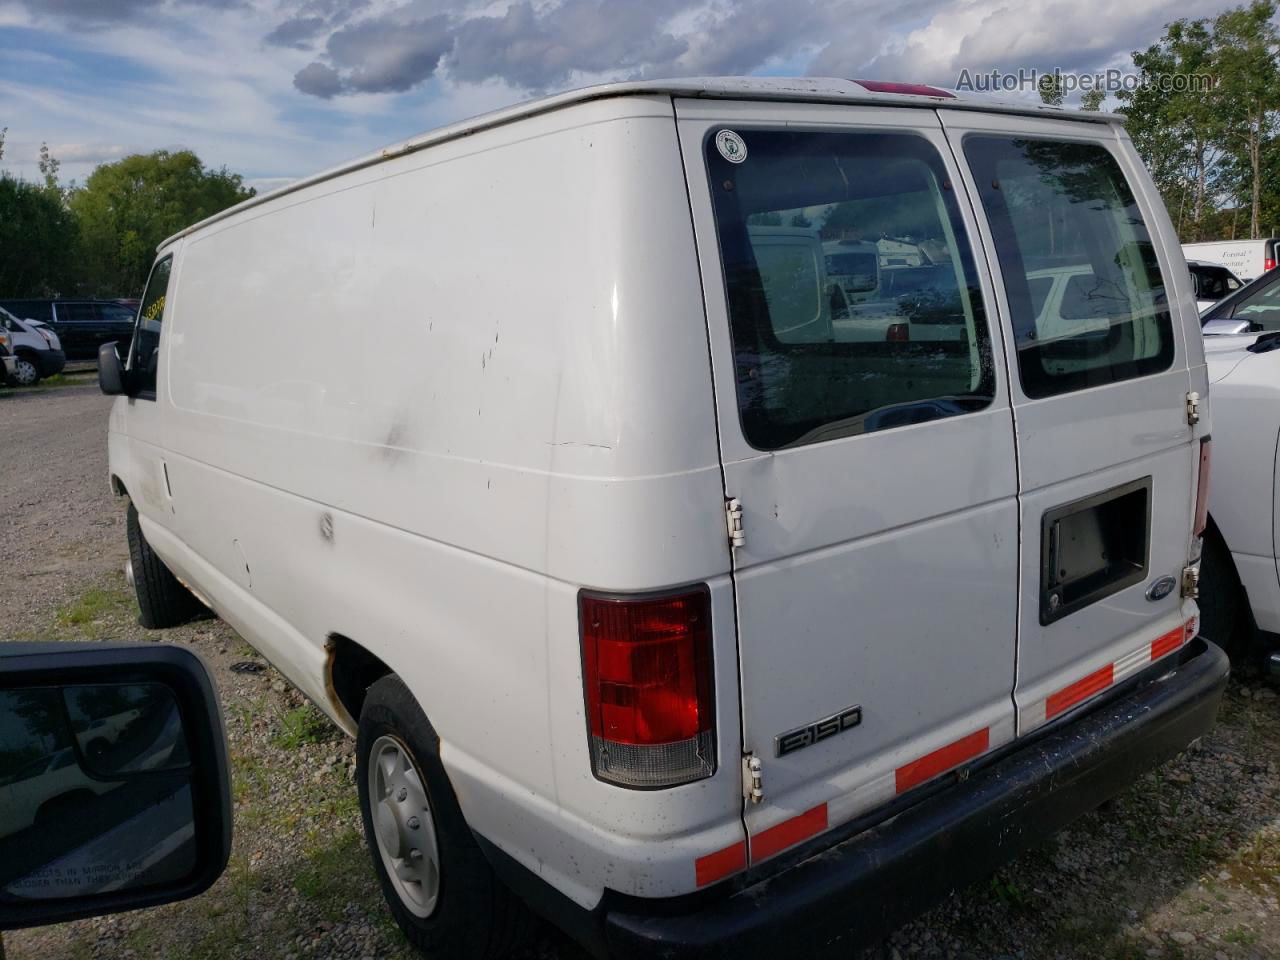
column 1268, row 264
column 1202, row 489
column 646, row 665
column 897, row 332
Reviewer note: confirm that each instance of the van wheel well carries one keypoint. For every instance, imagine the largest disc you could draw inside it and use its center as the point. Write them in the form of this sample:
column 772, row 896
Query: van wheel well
column 118, row 487
column 352, row 670
column 1224, row 603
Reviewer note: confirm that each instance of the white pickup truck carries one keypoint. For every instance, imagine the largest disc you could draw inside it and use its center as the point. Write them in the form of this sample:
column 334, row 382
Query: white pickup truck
column 1240, row 579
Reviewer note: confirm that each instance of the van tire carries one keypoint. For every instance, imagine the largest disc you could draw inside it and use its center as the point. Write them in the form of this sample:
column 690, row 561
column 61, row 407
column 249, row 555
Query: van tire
column 162, row 601
column 475, row 916
column 1223, row 618
column 26, row 372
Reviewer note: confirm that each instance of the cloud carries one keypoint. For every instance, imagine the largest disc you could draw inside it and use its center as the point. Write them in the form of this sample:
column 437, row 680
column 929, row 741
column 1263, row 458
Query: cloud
column 979, row 35
column 93, row 153
column 95, row 12
column 540, row 48
column 383, row 55
column 297, row 32
column 319, row 81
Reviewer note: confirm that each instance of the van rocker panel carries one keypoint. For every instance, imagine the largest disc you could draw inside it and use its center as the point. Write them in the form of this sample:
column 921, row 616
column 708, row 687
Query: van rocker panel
column 866, row 884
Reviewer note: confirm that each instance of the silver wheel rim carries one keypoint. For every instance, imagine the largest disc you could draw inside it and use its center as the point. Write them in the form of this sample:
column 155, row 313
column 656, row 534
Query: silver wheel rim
column 24, row 371
column 402, row 826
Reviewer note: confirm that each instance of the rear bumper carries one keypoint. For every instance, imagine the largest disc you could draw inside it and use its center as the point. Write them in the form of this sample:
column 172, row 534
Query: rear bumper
column 868, row 882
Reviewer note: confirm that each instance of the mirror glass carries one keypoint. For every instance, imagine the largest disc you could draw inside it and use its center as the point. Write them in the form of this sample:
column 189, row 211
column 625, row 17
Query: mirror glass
column 95, row 790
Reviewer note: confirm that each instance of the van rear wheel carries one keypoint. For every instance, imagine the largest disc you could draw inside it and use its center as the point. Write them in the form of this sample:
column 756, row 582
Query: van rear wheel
column 440, row 888
column 162, row 600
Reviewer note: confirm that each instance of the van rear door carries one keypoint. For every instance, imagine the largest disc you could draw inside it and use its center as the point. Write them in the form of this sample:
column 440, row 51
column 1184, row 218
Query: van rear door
column 1107, row 463
column 877, row 583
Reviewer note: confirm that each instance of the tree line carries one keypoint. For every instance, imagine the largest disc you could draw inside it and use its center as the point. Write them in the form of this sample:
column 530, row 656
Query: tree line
column 1213, row 148
column 99, row 238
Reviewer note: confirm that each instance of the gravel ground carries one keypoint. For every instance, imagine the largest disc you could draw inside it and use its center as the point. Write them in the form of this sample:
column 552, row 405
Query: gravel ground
column 1186, row 864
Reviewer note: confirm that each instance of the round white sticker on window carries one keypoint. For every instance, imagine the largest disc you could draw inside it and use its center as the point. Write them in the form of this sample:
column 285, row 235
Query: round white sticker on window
column 731, row 146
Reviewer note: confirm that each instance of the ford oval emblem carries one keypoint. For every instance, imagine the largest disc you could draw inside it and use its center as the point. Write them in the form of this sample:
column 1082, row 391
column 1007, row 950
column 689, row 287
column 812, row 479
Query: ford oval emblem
column 1161, row 589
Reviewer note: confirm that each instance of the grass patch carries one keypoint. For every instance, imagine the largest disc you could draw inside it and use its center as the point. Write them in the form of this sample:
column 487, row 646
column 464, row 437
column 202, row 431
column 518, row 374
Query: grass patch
column 339, row 874
column 86, row 616
column 1257, row 865
column 1241, row 935
column 302, row 725
column 72, row 378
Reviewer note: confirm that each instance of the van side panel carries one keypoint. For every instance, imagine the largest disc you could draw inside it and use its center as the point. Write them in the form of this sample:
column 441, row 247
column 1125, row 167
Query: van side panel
column 421, row 405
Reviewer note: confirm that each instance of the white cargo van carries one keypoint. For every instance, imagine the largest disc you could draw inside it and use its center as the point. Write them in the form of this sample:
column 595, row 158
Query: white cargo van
column 640, row 597
column 1247, row 259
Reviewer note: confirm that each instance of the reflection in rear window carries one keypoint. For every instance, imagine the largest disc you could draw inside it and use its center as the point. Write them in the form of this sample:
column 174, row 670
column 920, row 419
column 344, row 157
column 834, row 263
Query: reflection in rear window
column 853, row 301
column 1063, row 209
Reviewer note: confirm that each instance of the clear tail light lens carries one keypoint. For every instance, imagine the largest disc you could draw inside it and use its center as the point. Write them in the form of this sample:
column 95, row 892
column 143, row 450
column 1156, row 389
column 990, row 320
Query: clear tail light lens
column 1202, row 489
column 646, row 665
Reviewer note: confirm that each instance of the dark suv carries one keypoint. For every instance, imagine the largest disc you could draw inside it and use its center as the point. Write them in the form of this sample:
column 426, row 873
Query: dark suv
column 81, row 325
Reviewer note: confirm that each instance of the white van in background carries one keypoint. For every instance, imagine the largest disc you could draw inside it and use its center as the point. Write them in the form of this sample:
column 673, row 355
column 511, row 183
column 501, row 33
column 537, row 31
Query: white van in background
column 1212, row 282
column 658, row 603
column 1247, row 259
column 855, row 266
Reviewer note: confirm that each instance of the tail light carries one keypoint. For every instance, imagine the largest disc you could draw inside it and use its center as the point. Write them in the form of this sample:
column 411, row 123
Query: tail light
column 897, row 332
column 646, row 664
column 1269, row 263
column 1202, row 489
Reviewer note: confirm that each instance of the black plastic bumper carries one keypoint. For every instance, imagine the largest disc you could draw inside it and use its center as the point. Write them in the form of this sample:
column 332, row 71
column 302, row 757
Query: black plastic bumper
column 50, row 361
column 837, row 896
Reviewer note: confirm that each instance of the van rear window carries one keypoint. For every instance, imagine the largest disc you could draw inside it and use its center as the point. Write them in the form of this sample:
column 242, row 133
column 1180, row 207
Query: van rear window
column 853, row 300
column 1063, row 210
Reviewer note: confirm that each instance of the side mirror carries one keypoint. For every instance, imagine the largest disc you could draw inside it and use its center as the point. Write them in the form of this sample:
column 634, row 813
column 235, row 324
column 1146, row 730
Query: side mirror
column 114, row 786
column 111, row 372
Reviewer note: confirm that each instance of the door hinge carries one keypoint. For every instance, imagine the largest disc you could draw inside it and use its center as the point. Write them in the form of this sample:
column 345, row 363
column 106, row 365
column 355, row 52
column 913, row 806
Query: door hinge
column 1191, row 581
column 752, row 778
column 733, row 516
column 1193, row 408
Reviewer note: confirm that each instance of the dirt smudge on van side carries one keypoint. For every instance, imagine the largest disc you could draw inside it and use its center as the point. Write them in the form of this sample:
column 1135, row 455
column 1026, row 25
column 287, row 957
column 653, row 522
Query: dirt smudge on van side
column 394, row 448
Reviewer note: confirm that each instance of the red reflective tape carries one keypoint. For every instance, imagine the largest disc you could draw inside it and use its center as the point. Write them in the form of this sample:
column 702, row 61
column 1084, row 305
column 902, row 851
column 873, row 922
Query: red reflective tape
column 1079, row 691
column 718, row 865
column 788, row 833
column 1168, row 643
column 942, row 759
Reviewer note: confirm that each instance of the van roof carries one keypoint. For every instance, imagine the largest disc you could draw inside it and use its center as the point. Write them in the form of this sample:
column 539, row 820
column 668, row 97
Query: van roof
column 797, row 89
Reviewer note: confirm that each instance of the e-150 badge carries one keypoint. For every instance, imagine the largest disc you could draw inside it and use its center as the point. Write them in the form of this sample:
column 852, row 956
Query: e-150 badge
column 807, row 736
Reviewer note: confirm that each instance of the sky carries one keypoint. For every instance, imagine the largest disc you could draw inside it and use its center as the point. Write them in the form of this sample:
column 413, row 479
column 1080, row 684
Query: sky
column 277, row 89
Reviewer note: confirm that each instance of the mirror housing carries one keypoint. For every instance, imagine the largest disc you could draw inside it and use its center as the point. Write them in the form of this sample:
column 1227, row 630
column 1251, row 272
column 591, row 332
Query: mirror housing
column 115, row 792
column 112, row 376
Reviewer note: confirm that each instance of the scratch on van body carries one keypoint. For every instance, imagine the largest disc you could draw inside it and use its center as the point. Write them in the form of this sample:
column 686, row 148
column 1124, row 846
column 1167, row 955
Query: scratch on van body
column 579, row 443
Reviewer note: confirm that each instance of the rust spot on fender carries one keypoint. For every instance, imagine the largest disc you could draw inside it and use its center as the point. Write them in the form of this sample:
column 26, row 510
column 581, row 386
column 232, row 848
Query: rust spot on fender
column 344, row 719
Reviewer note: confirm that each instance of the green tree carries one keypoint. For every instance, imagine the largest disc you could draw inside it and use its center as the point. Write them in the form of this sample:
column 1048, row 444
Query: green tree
column 49, row 167
column 1049, row 86
column 1092, row 99
column 1176, row 126
column 1245, row 45
column 38, row 237
column 125, row 209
